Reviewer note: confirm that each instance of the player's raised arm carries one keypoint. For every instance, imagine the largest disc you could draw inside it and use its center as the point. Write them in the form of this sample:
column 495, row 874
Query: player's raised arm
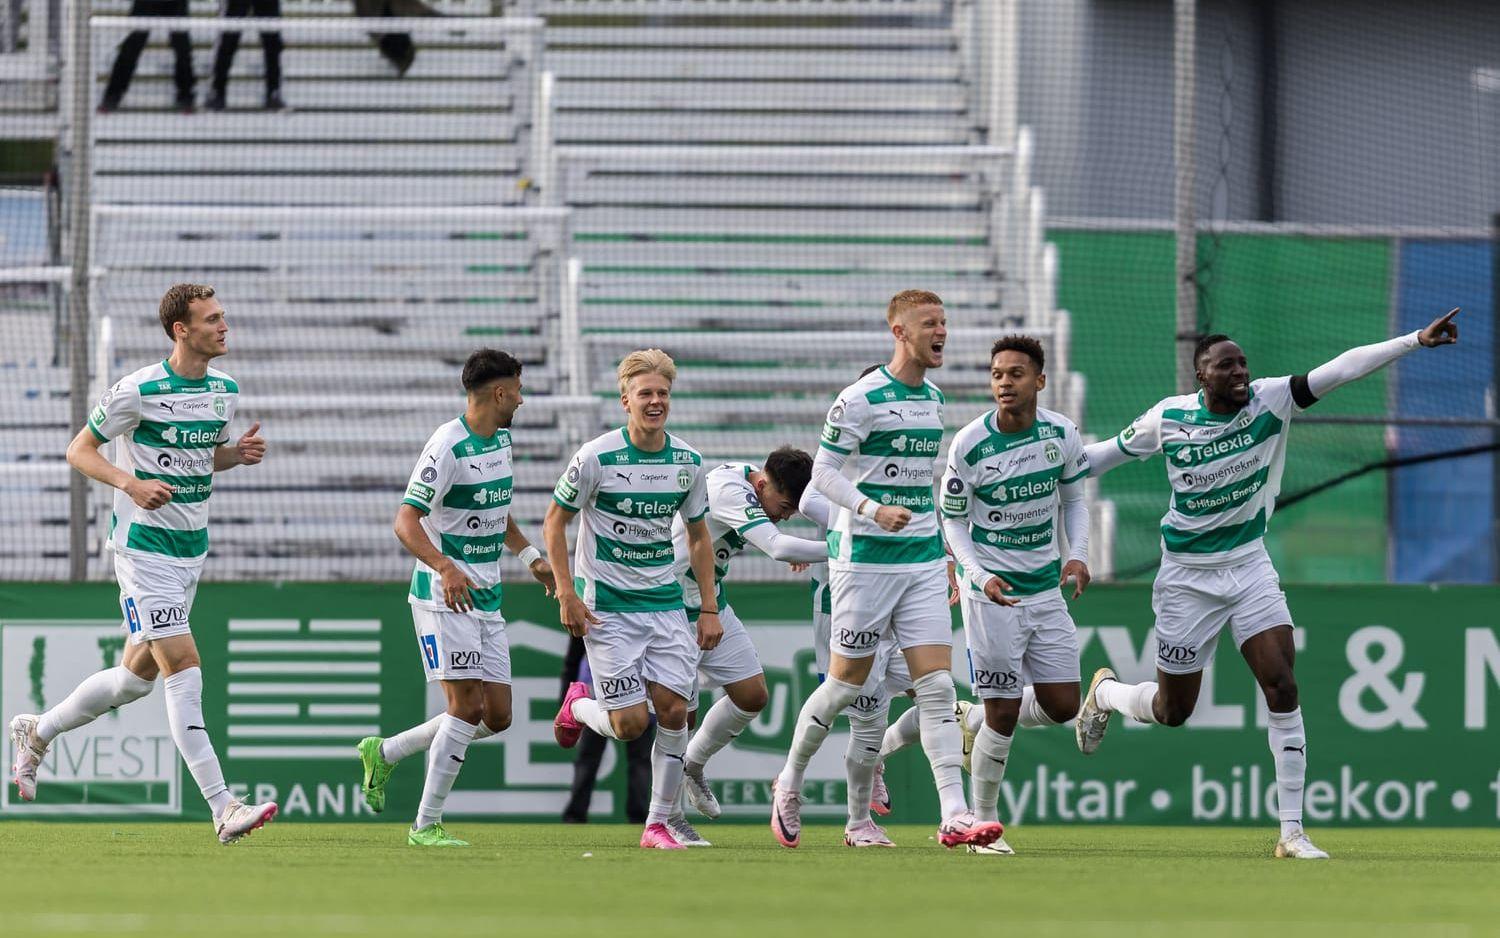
column 248, row 450
column 1356, row 363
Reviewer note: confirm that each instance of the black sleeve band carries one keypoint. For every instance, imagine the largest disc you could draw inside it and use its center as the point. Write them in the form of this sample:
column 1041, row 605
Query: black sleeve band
column 1302, row 394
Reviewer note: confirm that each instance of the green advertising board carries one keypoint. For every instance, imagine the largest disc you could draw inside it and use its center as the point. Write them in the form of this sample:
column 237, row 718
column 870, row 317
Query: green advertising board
column 1400, row 688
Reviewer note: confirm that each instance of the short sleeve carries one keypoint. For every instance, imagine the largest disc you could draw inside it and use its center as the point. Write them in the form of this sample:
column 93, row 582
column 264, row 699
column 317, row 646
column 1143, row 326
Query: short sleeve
column 695, row 504
column 1277, row 396
column 735, row 505
column 1142, row 439
column 958, row 484
column 847, row 425
column 228, row 419
column 118, row 411
column 578, row 482
column 430, row 478
column 1075, row 458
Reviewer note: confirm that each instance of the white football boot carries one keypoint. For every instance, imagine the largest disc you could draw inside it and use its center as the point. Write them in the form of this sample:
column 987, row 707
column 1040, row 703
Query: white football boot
column 28, row 756
column 1298, row 847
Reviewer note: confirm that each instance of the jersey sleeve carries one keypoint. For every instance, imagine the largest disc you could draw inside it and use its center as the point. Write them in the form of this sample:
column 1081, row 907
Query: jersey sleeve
column 1075, row 458
column 735, row 505
column 816, row 507
column 430, row 478
column 1142, row 439
column 695, row 505
column 578, row 482
column 118, row 411
column 958, row 484
column 1277, row 394
column 847, row 425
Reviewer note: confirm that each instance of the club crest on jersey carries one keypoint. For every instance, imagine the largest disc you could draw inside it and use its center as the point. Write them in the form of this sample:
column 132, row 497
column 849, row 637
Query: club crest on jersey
column 1053, row 454
column 684, row 479
column 219, row 407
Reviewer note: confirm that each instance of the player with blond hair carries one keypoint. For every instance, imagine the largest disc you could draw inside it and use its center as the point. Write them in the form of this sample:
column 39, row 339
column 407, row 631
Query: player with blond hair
column 620, row 592
column 887, row 573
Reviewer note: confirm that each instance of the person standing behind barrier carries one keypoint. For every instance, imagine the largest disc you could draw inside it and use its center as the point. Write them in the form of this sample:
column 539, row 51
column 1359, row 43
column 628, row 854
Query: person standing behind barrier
column 130, row 53
column 229, row 43
column 397, row 48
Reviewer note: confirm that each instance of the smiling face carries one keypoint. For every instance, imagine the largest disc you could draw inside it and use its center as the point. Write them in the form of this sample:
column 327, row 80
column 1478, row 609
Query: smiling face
column 1224, row 375
column 647, row 399
column 205, row 332
column 1015, row 379
column 923, row 331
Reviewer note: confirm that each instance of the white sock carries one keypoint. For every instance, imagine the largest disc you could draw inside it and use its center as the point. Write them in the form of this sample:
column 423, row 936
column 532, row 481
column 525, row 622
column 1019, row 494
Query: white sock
column 904, row 732
column 666, row 772
column 723, row 722
column 975, row 719
column 1133, row 700
column 1289, row 750
column 991, row 750
column 184, row 692
column 1031, row 713
column 942, row 740
column 813, row 723
column 586, row 710
column 99, row 693
column 448, row 749
column 860, row 759
column 419, row 739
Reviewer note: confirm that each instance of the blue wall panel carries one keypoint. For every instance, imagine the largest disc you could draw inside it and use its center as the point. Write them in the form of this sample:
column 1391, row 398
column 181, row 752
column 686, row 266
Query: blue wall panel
column 1443, row 512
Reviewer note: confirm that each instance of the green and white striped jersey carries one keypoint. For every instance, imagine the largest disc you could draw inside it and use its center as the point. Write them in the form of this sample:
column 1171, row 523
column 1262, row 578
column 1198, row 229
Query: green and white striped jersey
column 1005, row 486
column 168, row 426
column 733, row 509
column 1224, row 469
column 462, row 484
column 626, row 499
column 892, row 434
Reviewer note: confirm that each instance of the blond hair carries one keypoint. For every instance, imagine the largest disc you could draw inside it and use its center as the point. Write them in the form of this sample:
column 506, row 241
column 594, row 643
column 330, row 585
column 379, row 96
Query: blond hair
column 909, row 300
column 650, row 361
column 177, row 302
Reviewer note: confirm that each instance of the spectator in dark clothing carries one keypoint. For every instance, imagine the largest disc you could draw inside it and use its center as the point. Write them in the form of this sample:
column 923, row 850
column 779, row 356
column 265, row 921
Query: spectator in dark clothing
column 270, row 45
column 591, row 748
column 130, row 53
column 397, row 48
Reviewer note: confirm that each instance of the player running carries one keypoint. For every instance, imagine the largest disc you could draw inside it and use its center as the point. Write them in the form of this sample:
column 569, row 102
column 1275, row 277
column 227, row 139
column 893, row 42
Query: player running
column 887, row 570
column 454, row 519
column 173, row 418
column 620, row 593
column 1225, row 448
column 1008, row 472
column 743, row 502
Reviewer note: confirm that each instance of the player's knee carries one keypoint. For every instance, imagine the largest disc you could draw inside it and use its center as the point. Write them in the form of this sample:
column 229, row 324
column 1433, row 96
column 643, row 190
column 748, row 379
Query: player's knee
column 1280, row 692
column 936, row 689
column 753, row 699
column 1061, row 711
column 1172, row 712
column 496, row 719
column 672, row 714
column 1002, row 723
column 629, row 725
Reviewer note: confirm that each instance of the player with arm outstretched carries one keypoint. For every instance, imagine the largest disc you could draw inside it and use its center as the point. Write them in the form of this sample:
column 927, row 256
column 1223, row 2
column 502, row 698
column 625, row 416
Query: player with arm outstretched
column 172, row 419
column 454, row 519
column 620, row 593
column 1224, row 449
column 887, row 570
column 744, row 502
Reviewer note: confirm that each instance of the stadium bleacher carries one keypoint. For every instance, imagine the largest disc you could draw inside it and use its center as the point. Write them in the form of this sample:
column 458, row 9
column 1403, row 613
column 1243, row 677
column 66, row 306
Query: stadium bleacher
column 742, row 184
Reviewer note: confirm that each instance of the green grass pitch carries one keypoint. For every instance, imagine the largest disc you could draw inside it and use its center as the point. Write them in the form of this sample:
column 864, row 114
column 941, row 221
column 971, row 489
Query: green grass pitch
column 535, row 879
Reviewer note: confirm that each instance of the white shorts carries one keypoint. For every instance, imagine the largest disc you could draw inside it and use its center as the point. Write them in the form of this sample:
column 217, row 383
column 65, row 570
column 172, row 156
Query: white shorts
column 1012, row 646
column 733, row 659
column 460, row 646
column 155, row 596
column 627, row 649
column 1193, row 604
column 889, row 676
column 868, row 606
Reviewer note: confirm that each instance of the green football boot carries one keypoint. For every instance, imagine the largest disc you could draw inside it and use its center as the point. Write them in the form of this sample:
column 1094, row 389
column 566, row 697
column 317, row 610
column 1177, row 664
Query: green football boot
column 377, row 772
column 433, row 835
